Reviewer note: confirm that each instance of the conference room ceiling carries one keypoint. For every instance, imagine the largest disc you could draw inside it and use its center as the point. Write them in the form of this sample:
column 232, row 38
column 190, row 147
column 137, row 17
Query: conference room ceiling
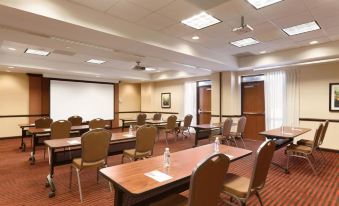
column 122, row 32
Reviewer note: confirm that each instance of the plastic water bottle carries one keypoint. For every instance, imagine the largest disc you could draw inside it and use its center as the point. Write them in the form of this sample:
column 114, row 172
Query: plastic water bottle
column 216, row 144
column 167, row 157
column 130, row 130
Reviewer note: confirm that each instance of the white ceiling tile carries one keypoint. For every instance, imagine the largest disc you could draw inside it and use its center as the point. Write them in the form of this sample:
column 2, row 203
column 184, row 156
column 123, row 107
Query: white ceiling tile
column 152, row 5
column 307, row 42
column 283, row 9
column 178, row 30
column 128, row 11
column 318, row 3
column 101, row 5
column 293, row 20
column 179, row 10
column 230, row 10
column 156, row 22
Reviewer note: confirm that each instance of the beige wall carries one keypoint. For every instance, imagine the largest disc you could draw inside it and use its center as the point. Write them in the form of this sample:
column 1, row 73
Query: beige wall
column 14, row 100
column 129, row 100
column 151, row 95
column 314, row 99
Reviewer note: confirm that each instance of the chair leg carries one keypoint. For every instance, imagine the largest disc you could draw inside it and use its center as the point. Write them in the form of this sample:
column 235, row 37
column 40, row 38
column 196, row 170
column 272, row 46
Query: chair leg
column 322, row 155
column 109, row 183
column 70, row 177
column 44, row 153
column 312, row 166
column 288, row 161
column 258, row 196
column 235, row 142
column 79, row 183
column 243, row 142
column 122, row 159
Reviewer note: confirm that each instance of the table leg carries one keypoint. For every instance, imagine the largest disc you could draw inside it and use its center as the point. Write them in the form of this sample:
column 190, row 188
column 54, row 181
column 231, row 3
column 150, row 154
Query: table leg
column 118, row 196
column 197, row 132
column 23, row 134
column 32, row 157
column 50, row 182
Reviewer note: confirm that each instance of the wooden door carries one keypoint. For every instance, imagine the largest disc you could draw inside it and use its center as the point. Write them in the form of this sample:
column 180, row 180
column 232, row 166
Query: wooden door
column 204, row 105
column 253, row 108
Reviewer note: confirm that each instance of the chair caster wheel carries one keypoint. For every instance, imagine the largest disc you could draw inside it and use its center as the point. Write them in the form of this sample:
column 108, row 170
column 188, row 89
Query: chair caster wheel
column 51, row 194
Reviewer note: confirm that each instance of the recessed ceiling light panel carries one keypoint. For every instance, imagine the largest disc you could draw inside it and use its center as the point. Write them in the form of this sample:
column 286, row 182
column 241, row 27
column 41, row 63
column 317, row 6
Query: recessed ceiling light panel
column 11, row 48
column 314, row 42
column 96, row 61
column 302, row 28
column 245, row 42
column 258, row 4
column 201, row 21
column 195, row 37
column 37, row 52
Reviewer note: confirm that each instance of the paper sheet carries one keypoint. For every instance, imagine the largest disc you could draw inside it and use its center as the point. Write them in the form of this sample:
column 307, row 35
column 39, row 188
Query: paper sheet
column 158, row 176
column 73, row 142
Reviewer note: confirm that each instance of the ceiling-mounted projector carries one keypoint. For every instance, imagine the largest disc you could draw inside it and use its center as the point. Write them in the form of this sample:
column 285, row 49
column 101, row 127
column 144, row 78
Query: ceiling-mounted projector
column 244, row 28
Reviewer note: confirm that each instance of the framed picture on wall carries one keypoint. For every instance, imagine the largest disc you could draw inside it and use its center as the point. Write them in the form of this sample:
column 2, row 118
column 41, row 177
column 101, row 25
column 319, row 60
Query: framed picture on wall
column 334, row 97
column 165, row 100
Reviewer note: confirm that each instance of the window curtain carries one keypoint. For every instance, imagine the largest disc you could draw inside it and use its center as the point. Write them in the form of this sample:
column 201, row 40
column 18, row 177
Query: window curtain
column 292, row 98
column 275, row 99
column 190, row 99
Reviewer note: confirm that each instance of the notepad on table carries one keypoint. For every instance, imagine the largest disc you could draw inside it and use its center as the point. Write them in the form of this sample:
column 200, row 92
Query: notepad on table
column 158, row 176
column 287, row 133
column 73, row 141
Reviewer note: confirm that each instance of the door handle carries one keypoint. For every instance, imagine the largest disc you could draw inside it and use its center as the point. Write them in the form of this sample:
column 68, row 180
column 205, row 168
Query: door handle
column 199, row 111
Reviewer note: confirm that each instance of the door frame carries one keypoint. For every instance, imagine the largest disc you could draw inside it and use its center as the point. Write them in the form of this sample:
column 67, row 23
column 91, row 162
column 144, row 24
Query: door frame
column 198, row 96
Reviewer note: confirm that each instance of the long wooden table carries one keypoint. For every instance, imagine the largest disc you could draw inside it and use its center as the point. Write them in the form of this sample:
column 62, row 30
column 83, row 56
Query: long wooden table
column 283, row 136
column 35, row 137
column 129, row 179
column 203, row 131
column 72, row 149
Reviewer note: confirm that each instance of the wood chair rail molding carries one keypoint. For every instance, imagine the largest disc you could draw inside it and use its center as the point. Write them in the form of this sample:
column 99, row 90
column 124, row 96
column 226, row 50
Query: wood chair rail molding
column 128, row 112
column 23, row 115
column 231, row 115
column 318, row 120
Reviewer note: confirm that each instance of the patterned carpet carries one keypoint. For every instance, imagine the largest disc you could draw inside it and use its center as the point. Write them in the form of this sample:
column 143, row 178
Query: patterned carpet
column 23, row 184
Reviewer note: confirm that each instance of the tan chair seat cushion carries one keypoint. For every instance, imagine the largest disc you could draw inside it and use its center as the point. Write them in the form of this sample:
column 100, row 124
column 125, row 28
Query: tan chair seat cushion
column 298, row 148
column 236, row 185
column 131, row 152
column 77, row 163
column 305, row 142
column 173, row 200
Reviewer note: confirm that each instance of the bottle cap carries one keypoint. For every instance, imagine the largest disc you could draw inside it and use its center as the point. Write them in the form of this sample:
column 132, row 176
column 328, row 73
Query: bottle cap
column 167, row 149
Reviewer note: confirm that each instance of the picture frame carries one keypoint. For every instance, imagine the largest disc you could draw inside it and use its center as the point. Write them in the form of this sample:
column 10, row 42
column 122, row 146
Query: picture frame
column 166, row 100
column 334, row 97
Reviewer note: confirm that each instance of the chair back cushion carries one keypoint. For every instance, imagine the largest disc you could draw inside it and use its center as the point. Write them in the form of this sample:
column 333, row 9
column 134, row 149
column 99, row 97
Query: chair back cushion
column 61, row 129
column 207, row 180
column 323, row 133
column 317, row 136
column 188, row 120
column 226, row 129
column 97, row 124
column 95, row 144
column 145, row 138
column 43, row 122
column 141, row 119
column 262, row 164
column 75, row 120
column 171, row 122
column 157, row 116
column 241, row 125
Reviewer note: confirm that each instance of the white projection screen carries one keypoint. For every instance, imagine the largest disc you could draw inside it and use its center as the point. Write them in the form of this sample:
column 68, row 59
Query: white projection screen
column 88, row 100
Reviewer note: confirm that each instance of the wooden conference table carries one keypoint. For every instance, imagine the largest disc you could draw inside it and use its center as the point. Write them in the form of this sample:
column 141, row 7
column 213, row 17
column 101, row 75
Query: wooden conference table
column 282, row 137
column 131, row 183
column 203, row 131
column 72, row 149
column 148, row 121
column 38, row 131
